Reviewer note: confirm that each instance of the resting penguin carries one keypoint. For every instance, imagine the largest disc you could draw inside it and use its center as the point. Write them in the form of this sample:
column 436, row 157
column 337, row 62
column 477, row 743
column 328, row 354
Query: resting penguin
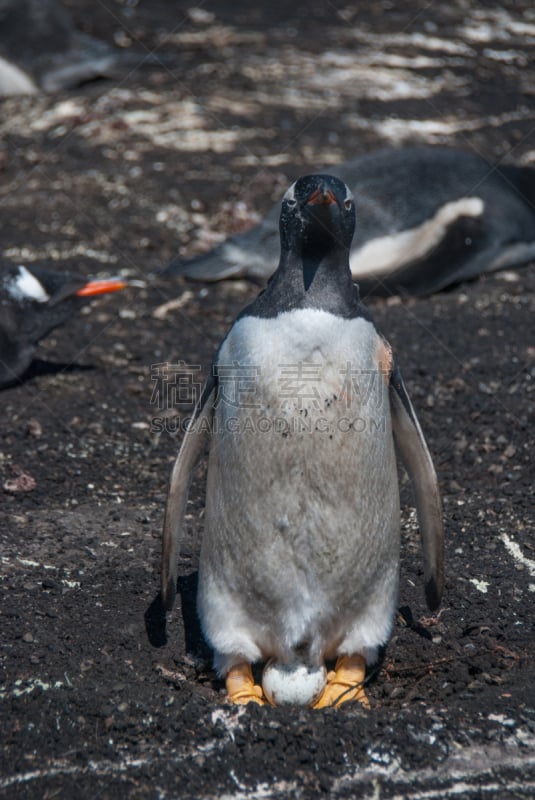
column 300, row 555
column 34, row 301
column 428, row 217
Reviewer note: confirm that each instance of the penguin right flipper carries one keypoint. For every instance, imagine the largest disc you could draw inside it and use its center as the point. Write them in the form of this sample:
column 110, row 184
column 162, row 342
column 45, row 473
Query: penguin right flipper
column 192, row 446
column 417, row 460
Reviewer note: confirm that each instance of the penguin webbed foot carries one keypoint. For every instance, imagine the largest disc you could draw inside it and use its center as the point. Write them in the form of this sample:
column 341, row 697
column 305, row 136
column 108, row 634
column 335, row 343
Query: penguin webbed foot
column 241, row 688
column 345, row 683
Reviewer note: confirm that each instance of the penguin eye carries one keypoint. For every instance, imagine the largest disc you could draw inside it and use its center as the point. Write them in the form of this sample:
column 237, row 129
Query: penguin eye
column 348, row 204
column 291, row 202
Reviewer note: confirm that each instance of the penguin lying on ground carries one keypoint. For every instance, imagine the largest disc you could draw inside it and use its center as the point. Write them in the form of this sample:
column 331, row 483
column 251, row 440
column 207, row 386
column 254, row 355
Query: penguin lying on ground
column 428, row 217
column 300, row 554
column 40, row 47
column 34, row 301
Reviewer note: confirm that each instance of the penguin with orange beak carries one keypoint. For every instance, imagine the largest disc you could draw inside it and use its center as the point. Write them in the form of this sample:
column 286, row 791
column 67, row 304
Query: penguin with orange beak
column 34, row 301
column 299, row 559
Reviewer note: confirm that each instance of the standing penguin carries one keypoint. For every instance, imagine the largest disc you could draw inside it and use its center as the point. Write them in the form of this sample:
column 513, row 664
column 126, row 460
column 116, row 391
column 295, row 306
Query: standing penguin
column 300, row 554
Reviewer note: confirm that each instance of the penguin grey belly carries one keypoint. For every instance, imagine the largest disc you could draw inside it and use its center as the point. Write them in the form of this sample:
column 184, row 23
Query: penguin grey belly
column 300, row 553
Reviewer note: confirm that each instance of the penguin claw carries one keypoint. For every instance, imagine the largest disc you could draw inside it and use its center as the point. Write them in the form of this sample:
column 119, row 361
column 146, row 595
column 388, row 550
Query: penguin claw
column 241, row 687
column 345, row 683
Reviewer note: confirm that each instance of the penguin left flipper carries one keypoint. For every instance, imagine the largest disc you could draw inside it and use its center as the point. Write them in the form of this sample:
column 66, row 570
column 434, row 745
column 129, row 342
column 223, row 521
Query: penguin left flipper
column 194, row 440
column 417, row 460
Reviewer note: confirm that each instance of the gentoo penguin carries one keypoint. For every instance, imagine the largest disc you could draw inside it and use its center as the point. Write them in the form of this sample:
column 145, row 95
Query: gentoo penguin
column 428, row 217
column 34, row 301
column 300, row 554
column 41, row 49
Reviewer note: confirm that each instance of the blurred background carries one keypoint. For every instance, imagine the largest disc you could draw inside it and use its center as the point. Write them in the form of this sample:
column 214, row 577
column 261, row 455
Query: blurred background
column 218, row 104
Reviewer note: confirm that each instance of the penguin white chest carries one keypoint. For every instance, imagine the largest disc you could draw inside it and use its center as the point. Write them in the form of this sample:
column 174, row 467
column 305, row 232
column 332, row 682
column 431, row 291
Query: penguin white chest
column 301, row 359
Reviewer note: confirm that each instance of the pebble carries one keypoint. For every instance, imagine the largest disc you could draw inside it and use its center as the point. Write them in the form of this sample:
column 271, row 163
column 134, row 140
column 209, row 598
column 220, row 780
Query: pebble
column 34, row 428
column 474, row 686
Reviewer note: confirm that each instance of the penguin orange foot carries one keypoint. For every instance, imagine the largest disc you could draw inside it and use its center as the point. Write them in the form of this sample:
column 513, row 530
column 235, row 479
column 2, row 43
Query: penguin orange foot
column 344, row 683
column 241, row 687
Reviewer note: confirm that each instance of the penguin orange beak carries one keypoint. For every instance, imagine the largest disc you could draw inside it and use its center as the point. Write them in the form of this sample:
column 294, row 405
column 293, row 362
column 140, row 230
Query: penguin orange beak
column 321, row 197
column 93, row 288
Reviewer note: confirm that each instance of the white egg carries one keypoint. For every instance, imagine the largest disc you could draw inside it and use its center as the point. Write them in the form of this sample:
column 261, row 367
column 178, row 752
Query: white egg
column 293, row 684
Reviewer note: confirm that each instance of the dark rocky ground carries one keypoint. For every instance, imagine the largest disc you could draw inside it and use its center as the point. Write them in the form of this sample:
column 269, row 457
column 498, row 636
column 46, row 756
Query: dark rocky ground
column 101, row 698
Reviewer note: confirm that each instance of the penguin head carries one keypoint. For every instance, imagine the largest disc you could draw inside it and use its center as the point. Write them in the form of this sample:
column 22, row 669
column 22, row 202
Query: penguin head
column 40, row 299
column 34, row 301
column 22, row 286
column 317, row 215
column 43, row 289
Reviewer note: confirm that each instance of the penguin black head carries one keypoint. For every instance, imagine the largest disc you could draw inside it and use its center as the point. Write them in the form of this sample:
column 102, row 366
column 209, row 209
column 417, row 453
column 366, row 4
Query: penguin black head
column 317, row 215
column 317, row 222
